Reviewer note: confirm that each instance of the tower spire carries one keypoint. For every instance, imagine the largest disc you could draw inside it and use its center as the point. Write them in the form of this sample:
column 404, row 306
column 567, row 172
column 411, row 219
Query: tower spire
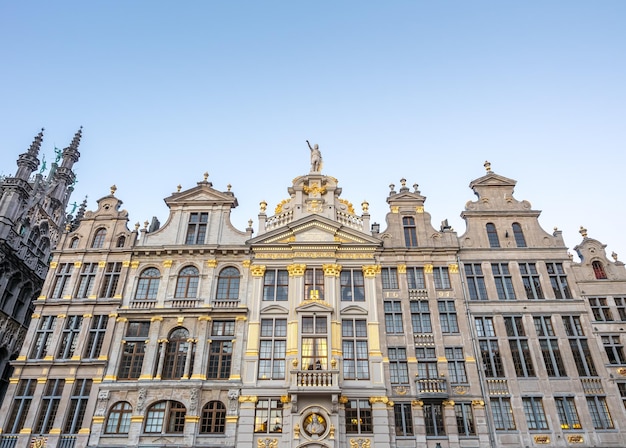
column 28, row 161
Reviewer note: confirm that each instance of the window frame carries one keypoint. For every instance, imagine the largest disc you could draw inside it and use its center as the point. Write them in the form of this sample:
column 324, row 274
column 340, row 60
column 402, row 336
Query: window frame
column 272, row 349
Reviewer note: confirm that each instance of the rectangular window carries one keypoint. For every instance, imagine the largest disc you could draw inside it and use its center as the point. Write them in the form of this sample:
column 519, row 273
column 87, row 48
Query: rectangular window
column 621, row 386
column 420, row 316
column 441, row 277
column 464, row 419
column 549, row 345
column 20, row 405
column 390, row 278
column 600, row 309
column 314, row 284
column 489, row 349
column 456, row 365
column 314, row 346
column 355, row 353
column 86, row 280
column 134, row 350
column 518, row 343
column 275, row 285
column 475, row 281
column 426, row 363
column 358, row 417
column 97, row 333
column 502, row 414
column 49, row 406
column 78, row 405
column 447, row 316
column 268, row 416
column 272, row 349
column 579, row 345
column 614, row 349
column 620, row 303
column 504, row 283
column 221, row 349
column 558, row 280
column 398, row 368
column 535, row 414
column 62, row 277
column 600, row 415
column 393, row 317
column 433, row 420
column 43, row 337
column 111, row 280
column 196, row 229
column 530, row 279
column 69, row 338
column 352, row 285
column 568, row 415
column 415, row 278
column 403, row 418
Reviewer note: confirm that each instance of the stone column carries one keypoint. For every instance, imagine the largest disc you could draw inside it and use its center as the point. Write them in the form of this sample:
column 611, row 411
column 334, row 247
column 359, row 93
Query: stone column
column 152, row 349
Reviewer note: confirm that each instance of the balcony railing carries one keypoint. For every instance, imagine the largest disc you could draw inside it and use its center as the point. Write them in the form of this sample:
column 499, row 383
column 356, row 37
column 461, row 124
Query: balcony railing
column 225, row 303
column 8, row 441
column 497, row 387
column 592, row 386
column 142, row 304
column 424, row 339
column 67, row 442
column 432, row 387
column 312, row 380
column 418, row 294
column 182, row 303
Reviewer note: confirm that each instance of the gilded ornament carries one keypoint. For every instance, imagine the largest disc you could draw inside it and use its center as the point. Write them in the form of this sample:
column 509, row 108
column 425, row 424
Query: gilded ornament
column 448, row 402
column 383, row 400
column 246, row 263
column 343, row 400
column 453, row 268
column 542, row 440
column 102, row 264
column 279, row 207
column 419, row 209
column 360, row 443
column 331, row 270
column 417, row 403
column 402, row 269
column 370, row 271
column 267, row 443
column 78, row 264
column 395, row 209
column 478, row 403
column 365, row 206
column 401, row 390
column 576, row 438
column 167, row 263
column 622, row 371
column 211, row 263
column 248, row 399
column 134, row 264
column 348, row 205
column 315, row 189
column 257, row 270
column 428, row 268
column 296, row 270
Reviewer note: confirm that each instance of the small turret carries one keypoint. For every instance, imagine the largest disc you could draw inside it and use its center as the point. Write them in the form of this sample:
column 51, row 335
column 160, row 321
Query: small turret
column 28, row 162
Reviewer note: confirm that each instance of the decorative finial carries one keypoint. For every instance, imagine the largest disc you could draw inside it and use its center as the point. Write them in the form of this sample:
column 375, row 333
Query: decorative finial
column 113, row 189
column 403, row 182
column 178, row 187
column 228, row 187
column 392, row 186
column 365, row 206
column 614, row 255
column 583, row 232
column 76, row 139
column 249, row 223
column 206, row 175
column 263, row 205
column 556, row 229
column 487, row 166
column 415, row 187
column 137, row 225
column 570, row 255
column 145, row 224
column 36, row 145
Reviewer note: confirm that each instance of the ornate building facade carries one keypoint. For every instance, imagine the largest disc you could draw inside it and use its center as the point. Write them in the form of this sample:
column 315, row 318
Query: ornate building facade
column 321, row 329
column 32, row 217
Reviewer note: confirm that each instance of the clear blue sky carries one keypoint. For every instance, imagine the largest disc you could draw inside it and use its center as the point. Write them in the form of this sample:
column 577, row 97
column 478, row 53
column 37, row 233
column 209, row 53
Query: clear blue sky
column 415, row 89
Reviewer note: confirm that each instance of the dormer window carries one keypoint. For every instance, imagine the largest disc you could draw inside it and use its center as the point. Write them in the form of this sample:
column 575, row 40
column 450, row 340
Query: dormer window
column 196, row 229
column 410, row 234
column 598, row 270
column 121, row 241
column 492, row 235
column 74, row 243
column 520, row 241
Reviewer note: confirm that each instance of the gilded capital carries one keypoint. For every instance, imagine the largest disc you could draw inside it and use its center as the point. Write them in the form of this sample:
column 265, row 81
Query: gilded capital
column 402, row 269
column 417, row 403
column 370, row 271
column 134, row 264
column 257, row 270
column 383, row 400
column 331, row 270
column 246, row 263
column 296, row 270
column 248, row 399
column 478, row 403
column 448, row 403
column 428, row 268
column 453, row 268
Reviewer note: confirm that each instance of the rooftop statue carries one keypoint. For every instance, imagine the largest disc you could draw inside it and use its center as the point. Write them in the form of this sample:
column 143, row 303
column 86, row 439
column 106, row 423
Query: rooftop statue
column 316, row 158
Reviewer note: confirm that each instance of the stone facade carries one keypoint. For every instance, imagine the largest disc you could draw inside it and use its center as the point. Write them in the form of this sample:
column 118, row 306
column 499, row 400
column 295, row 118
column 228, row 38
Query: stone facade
column 319, row 332
column 32, row 218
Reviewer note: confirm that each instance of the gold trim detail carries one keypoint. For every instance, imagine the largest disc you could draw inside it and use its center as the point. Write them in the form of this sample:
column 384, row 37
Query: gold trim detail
column 53, row 264
column 331, row 270
column 576, row 438
column 360, row 443
column 246, row 263
column 296, row 270
column 78, row 264
column 211, row 263
column 395, row 209
column 419, row 209
column 102, row 264
column 248, row 399
column 370, row 271
column 402, row 269
column 97, row 419
column 167, row 263
column 125, row 263
column 541, row 440
column 428, row 269
column 257, row 270
column 453, row 268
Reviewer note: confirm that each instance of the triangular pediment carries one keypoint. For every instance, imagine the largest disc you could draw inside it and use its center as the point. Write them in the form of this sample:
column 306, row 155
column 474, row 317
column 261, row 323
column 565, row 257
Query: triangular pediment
column 314, row 230
column 314, row 306
column 493, row 180
column 203, row 194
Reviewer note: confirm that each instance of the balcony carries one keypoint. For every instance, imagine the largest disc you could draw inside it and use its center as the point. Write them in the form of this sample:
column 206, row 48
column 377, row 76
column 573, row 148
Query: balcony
column 418, row 294
column 424, row 339
column 432, row 387
column 592, row 386
column 225, row 303
column 315, row 380
column 183, row 304
column 497, row 387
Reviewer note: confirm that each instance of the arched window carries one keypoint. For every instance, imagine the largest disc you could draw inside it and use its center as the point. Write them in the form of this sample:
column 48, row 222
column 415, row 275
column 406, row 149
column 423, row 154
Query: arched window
column 598, row 270
column 228, row 284
column 520, row 241
column 24, row 299
column 187, row 283
column 121, row 241
column 410, row 235
column 11, row 290
column 492, row 235
column 98, row 238
column 118, row 421
column 33, row 237
column 148, row 284
column 176, row 352
column 74, row 243
column 213, row 418
column 166, row 417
